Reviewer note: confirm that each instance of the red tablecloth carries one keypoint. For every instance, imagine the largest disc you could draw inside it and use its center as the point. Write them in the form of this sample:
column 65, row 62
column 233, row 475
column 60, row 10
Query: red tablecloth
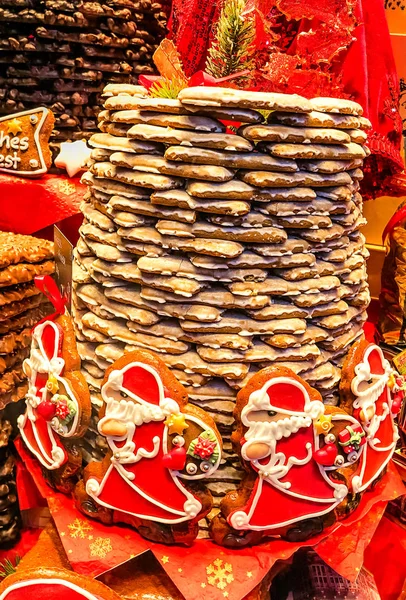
column 29, row 205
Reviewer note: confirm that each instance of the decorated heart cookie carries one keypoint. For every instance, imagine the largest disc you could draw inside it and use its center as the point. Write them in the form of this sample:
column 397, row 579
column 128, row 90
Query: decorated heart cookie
column 158, row 444
column 58, row 401
column 292, row 447
column 373, row 393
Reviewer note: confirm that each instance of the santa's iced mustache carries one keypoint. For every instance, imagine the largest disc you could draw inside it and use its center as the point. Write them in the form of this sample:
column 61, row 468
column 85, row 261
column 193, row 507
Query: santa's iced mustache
column 281, row 411
column 137, row 482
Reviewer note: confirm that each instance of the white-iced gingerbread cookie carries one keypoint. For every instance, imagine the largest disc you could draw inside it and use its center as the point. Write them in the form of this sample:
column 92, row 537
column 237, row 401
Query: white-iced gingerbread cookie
column 285, row 441
column 57, row 403
column 158, row 444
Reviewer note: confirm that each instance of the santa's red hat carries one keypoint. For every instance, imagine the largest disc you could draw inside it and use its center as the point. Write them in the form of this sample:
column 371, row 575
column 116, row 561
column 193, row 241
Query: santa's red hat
column 284, row 395
column 142, row 382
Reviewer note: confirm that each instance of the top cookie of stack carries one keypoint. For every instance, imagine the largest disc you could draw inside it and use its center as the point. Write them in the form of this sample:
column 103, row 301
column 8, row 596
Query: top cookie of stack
column 224, row 252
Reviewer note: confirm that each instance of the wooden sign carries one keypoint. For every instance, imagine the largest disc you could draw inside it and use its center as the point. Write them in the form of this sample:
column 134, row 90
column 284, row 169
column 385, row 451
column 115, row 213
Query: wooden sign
column 24, row 147
column 63, row 265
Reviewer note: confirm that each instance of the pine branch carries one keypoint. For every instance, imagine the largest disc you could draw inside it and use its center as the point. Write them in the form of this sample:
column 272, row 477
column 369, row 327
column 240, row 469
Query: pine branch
column 7, row 568
column 232, row 49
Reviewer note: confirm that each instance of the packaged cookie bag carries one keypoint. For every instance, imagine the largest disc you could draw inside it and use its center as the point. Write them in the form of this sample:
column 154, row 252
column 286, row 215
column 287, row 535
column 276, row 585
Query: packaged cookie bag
column 57, row 401
column 159, row 445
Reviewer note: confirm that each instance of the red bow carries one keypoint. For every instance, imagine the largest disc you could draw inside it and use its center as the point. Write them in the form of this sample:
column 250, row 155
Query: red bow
column 198, row 78
column 48, row 287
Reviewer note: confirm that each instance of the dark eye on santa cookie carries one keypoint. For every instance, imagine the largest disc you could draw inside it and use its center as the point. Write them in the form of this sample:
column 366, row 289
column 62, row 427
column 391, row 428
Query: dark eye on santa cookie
column 271, row 413
column 124, row 395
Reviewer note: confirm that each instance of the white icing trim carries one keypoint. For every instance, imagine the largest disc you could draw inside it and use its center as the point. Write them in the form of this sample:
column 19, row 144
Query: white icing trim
column 366, row 398
column 94, row 489
column 259, row 400
column 43, row 168
column 38, row 362
column 115, row 381
column 55, row 581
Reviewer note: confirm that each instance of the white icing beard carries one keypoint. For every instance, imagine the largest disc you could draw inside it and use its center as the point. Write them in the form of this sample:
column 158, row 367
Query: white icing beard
column 368, row 393
column 134, row 412
column 269, row 433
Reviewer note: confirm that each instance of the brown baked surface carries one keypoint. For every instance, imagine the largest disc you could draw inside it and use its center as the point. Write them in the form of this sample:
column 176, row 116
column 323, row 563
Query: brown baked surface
column 48, row 551
column 15, row 248
column 18, row 292
column 24, row 271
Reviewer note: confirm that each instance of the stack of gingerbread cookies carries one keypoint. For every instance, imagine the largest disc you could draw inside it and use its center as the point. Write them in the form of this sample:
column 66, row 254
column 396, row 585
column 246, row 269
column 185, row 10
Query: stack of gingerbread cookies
column 92, row 43
column 224, row 250
column 22, row 305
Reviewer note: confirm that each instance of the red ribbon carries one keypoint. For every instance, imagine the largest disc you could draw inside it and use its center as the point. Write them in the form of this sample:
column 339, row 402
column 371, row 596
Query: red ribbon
column 400, row 215
column 48, row 287
column 148, row 80
column 203, row 78
column 198, row 78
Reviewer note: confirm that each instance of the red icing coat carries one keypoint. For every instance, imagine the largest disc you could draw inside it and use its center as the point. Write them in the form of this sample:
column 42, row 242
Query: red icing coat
column 310, row 494
column 37, row 433
column 152, row 484
column 47, row 590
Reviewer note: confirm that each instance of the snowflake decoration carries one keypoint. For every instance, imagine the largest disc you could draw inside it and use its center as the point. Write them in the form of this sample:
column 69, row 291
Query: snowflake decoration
column 67, row 188
column 100, row 547
column 219, row 574
column 79, row 529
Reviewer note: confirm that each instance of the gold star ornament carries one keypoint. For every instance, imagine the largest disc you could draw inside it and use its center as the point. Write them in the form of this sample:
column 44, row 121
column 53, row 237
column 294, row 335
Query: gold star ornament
column 176, row 424
column 323, row 424
column 14, row 127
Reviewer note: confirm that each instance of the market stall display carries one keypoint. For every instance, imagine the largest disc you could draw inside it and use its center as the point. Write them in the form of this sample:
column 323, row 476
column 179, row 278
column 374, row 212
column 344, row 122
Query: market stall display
column 223, row 252
column 214, row 406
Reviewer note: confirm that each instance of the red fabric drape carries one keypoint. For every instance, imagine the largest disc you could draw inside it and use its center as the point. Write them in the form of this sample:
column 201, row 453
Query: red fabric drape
column 335, row 48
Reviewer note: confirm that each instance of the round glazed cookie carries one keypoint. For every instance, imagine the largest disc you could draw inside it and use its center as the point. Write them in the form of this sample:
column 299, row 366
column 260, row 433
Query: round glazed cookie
column 53, row 584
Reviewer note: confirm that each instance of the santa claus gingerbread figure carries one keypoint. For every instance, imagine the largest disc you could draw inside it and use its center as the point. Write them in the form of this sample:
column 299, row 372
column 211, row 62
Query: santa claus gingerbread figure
column 290, row 490
column 373, row 392
column 158, row 443
column 58, row 402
